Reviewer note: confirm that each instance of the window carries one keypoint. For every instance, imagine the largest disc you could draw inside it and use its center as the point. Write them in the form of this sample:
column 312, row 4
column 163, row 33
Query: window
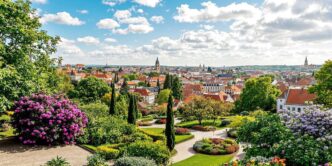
column 288, row 108
column 281, row 107
column 299, row 109
column 293, row 109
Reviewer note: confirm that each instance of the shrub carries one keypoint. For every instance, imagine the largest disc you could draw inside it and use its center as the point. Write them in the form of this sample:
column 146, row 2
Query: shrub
column 203, row 128
column 144, row 124
column 96, row 160
column 138, row 136
column 94, row 110
column 239, row 121
column 152, row 150
column 225, row 122
column 182, row 131
column 58, row 161
column 154, row 136
column 108, row 152
column 161, row 121
column 42, row 119
column 216, row 146
column 232, row 133
column 253, row 161
column 146, row 118
column 134, row 161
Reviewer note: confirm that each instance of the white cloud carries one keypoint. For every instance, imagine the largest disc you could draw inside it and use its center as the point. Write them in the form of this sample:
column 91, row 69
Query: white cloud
column 122, row 14
column 68, row 47
column 112, row 2
column 149, row 3
column 39, row 1
column 207, row 27
column 141, row 11
column 88, row 40
column 61, row 18
column 212, row 13
column 107, row 24
column 83, row 11
column 157, row 19
column 110, row 40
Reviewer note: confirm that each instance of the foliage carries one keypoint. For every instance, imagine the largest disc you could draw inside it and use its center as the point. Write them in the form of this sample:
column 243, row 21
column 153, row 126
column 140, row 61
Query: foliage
column 169, row 129
column 153, row 150
column 58, row 161
column 258, row 93
column 168, row 82
column 121, row 106
column 130, row 77
column 219, row 109
column 232, row 133
column 163, row 96
column 177, row 88
column 258, row 113
column 225, row 122
column 263, row 134
column 124, row 87
column 113, row 101
column 313, row 121
column 96, row 160
column 156, row 136
column 203, row 128
column 216, row 146
column 238, row 121
column 90, row 89
column 64, row 83
column 259, row 160
column 199, row 107
column 323, row 87
column 134, row 161
column 108, row 152
column 205, row 160
column 42, row 119
column 93, row 110
column 132, row 110
column 182, row 131
column 25, row 65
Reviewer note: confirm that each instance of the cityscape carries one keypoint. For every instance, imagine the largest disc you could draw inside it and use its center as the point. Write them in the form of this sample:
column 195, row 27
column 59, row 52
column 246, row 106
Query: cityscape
column 162, row 83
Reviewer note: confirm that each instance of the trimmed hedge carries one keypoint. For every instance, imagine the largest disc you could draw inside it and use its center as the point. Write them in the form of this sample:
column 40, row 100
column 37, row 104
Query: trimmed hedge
column 154, row 136
column 108, row 152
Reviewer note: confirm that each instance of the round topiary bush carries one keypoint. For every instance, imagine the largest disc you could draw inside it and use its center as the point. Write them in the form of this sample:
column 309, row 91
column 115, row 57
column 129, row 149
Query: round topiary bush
column 134, row 161
column 216, row 146
column 42, row 119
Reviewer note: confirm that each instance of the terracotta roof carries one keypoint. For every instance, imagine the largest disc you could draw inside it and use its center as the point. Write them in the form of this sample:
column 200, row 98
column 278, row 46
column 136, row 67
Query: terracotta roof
column 299, row 96
column 102, row 75
column 305, row 82
column 143, row 92
column 222, row 96
column 282, row 87
column 233, row 88
column 131, row 83
column 190, row 89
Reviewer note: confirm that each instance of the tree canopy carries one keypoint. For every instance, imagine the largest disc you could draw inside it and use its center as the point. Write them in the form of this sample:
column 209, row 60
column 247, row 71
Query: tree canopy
column 163, row 96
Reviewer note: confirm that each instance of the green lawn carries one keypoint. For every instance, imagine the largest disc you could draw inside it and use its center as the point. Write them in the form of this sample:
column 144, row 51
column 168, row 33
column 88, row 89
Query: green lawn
column 159, row 131
column 205, row 160
column 209, row 122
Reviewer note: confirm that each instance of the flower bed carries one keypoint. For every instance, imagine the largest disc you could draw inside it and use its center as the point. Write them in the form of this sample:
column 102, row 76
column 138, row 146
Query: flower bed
column 42, row 119
column 204, row 128
column 216, row 146
column 182, row 131
column 253, row 161
column 161, row 121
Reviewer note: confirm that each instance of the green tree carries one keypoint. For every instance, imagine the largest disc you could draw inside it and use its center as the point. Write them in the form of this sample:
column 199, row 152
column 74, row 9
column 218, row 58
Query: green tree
column 121, row 106
column 131, row 110
column 112, row 110
column 124, row 87
column 323, row 87
column 220, row 109
column 169, row 129
column 177, row 88
column 258, row 93
column 168, row 82
column 90, row 89
column 199, row 108
column 25, row 65
column 163, row 96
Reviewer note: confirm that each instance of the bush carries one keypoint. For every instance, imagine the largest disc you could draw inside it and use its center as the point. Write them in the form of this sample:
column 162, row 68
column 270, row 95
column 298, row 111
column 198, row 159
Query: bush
column 95, row 110
column 152, row 150
column 239, row 121
column 154, row 136
column 232, row 133
column 216, row 146
column 138, row 136
column 182, row 131
column 144, row 124
column 204, row 128
column 225, row 122
column 161, row 121
column 96, row 160
column 42, row 119
column 134, row 161
column 146, row 118
column 259, row 160
column 108, row 152
column 58, row 161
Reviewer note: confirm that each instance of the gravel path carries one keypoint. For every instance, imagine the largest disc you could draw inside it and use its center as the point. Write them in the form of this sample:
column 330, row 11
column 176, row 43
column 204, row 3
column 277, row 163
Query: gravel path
column 15, row 154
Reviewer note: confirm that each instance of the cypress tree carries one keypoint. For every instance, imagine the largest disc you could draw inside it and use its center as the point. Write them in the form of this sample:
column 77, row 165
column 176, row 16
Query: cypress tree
column 135, row 107
column 169, row 130
column 177, row 88
column 158, row 85
column 113, row 100
column 168, row 82
column 124, row 87
column 131, row 112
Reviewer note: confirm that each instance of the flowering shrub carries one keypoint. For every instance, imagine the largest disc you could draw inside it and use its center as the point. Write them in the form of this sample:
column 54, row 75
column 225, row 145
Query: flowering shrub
column 216, row 146
column 258, row 160
column 203, row 128
column 314, row 122
column 182, row 131
column 161, row 121
column 42, row 119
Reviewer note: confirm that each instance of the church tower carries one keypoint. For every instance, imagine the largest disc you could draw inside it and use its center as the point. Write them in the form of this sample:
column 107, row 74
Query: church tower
column 306, row 61
column 157, row 66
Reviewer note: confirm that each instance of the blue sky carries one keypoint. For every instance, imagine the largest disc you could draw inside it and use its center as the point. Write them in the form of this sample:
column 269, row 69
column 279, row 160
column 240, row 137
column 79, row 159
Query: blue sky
column 233, row 33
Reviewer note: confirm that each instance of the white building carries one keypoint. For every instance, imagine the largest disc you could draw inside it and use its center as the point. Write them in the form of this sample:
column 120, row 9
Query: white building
column 213, row 87
column 296, row 99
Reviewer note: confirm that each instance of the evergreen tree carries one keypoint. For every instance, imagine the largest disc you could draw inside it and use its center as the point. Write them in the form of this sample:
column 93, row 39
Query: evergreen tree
column 124, row 87
column 177, row 88
column 168, row 82
column 131, row 111
column 169, row 130
column 113, row 100
column 148, row 85
column 158, row 85
column 135, row 107
column 116, row 77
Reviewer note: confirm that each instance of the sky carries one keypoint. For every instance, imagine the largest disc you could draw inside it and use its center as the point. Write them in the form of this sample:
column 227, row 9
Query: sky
column 189, row 32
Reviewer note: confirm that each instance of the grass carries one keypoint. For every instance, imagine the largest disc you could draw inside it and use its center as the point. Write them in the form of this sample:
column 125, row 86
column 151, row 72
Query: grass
column 160, row 131
column 205, row 160
column 6, row 134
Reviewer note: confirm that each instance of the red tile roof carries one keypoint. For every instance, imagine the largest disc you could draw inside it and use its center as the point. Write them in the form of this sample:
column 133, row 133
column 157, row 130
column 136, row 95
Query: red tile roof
column 222, row 96
column 143, row 92
column 299, row 96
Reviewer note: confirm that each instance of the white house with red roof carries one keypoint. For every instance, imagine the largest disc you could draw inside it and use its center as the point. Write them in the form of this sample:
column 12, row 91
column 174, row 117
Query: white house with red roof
column 295, row 99
column 148, row 96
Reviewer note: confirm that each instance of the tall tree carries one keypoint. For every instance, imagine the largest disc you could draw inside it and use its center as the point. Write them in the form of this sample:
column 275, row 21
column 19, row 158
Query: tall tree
column 323, row 87
column 177, row 88
column 158, row 86
column 25, row 65
column 131, row 110
column 163, row 96
column 258, row 93
column 169, row 129
column 116, row 77
column 124, row 87
column 199, row 108
column 113, row 100
column 168, row 82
